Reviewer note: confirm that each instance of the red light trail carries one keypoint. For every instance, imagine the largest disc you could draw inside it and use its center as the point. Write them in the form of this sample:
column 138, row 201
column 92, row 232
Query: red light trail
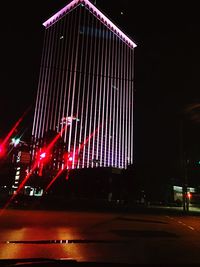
column 39, row 160
column 5, row 141
column 19, row 188
column 53, row 180
column 70, row 158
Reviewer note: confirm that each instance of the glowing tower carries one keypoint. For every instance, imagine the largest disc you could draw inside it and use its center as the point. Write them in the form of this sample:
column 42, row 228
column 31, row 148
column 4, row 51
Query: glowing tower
column 86, row 76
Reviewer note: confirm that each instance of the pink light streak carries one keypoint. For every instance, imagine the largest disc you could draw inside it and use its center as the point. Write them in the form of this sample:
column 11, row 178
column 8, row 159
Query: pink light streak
column 66, row 163
column 54, row 179
column 35, row 165
column 5, row 141
column 96, row 12
column 19, row 188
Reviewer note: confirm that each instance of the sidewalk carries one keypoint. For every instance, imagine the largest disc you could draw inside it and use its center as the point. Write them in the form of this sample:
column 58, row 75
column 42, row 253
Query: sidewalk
column 193, row 209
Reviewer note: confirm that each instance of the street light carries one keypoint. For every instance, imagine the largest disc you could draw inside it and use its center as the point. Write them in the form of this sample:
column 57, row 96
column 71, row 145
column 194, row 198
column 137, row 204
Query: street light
column 15, row 141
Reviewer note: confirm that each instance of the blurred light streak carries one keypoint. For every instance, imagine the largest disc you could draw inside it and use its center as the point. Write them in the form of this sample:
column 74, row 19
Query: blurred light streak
column 66, row 163
column 35, row 165
column 5, row 141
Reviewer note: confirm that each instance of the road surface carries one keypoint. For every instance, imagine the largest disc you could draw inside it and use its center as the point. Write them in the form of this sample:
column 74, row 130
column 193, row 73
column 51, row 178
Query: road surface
column 100, row 236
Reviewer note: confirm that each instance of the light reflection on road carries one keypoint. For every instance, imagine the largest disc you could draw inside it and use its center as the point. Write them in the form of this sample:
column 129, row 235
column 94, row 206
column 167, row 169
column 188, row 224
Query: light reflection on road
column 152, row 238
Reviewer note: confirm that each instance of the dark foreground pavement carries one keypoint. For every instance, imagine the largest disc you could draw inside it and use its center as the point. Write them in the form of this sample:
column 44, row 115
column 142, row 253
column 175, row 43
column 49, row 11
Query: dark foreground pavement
column 121, row 236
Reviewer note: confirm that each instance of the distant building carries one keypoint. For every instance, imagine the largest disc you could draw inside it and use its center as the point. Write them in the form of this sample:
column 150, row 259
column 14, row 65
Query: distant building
column 86, row 82
column 14, row 166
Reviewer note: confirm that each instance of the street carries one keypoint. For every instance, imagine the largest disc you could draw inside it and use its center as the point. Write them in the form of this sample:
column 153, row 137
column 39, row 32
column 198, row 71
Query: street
column 100, row 236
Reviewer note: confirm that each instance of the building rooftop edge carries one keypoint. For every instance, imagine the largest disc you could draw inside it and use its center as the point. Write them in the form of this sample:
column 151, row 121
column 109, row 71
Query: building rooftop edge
column 96, row 12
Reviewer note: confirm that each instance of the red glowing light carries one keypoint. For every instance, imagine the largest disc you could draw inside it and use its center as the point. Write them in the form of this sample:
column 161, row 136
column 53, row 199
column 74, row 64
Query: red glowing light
column 43, row 155
column 67, row 176
column 1, row 149
column 56, row 138
column 189, row 195
column 69, row 159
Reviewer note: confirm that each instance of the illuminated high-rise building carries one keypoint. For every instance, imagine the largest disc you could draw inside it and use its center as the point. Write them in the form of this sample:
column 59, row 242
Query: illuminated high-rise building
column 87, row 83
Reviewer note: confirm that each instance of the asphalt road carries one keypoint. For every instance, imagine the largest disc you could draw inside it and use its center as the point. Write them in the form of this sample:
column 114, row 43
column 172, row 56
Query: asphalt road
column 100, row 236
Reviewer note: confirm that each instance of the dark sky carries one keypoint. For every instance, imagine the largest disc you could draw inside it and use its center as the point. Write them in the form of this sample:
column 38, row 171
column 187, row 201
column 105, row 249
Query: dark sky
column 167, row 66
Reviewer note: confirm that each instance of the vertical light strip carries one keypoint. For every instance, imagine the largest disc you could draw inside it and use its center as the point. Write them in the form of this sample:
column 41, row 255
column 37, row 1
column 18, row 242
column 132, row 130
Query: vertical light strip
column 35, row 118
column 132, row 106
column 48, row 78
column 103, row 148
column 36, row 114
column 51, row 70
column 122, row 106
column 114, row 88
column 63, row 90
column 107, row 88
column 82, row 91
column 66, row 72
column 44, row 90
column 89, row 94
column 86, row 32
column 57, row 71
column 62, row 37
column 73, row 80
column 93, row 90
column 59, row 75
column 46, row 87
column 76, row 30
column 117, row 163
column 101, row 40
column 86, row 89
column 96, row 88
column 55, row 84
column 54, row 74
column 110, row 83
column 40, row 88
column 126, row 106
column 79, row 101
column 70, row 73
column 129, row 105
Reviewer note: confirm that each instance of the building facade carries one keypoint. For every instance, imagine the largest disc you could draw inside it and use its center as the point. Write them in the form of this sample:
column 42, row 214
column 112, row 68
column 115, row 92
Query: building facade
column 86, row 89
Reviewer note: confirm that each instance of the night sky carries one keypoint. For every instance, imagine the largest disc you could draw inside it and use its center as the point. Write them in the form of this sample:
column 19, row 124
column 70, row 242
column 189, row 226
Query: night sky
column 167, row 66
